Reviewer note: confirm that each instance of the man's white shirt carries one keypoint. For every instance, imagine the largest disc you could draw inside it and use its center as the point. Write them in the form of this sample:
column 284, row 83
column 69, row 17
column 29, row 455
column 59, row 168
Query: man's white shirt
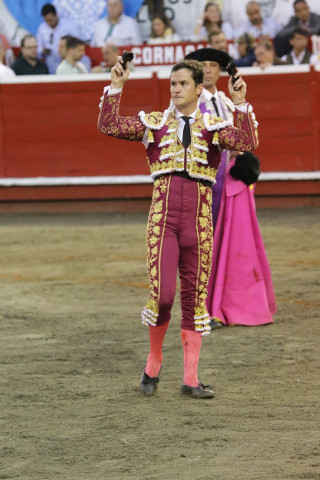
column 124, row 32
column 298, row 59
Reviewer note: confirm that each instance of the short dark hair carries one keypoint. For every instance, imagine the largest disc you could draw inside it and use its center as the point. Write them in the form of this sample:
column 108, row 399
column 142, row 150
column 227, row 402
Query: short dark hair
column 65, row 37
column 214, row 33
column 298, row 1
column 195, row 68
column 298, row 31
column 25, row 38
column 73, row 42
column 48, row 8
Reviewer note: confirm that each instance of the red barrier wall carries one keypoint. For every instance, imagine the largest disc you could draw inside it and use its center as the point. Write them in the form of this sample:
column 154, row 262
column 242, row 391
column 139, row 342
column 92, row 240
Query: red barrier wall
column 49, row 130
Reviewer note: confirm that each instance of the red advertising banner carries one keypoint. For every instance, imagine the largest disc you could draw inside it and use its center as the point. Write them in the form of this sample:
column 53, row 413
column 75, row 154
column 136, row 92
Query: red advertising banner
column 148, row 55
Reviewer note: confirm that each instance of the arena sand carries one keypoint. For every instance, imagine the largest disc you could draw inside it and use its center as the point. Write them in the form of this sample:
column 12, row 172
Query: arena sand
column 73, row 348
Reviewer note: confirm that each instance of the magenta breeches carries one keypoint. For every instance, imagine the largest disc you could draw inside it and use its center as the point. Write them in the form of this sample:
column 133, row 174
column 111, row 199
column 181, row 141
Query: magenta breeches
column 179, row 239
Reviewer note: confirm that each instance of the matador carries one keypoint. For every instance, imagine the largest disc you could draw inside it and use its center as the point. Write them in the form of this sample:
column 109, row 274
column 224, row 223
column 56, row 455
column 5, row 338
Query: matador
column 184, row 151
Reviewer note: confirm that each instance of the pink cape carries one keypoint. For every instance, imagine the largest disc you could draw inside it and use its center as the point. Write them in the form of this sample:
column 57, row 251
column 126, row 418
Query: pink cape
column 240, row 288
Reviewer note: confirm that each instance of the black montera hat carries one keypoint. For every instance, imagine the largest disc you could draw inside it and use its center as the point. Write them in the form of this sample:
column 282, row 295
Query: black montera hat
column 246, row 168
column 210, row 55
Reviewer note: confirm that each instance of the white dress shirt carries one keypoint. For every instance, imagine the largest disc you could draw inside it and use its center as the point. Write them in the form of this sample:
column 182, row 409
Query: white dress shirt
column 206, row 96
column 181, row 125
column 269, row 27
column 298, row 59
column 124, row 32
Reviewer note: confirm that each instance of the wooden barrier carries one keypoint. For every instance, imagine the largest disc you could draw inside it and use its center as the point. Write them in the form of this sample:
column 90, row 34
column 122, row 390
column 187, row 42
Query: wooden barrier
column 48, row 129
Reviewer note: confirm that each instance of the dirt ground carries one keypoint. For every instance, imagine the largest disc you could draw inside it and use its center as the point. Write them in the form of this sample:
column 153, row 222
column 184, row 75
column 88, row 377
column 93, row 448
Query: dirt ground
column 72, row 349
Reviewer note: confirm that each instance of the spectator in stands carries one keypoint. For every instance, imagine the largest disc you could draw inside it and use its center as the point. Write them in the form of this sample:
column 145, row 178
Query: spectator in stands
column 5, row 72
column 162, row 31
column 110, row 52
column 256, row 25
column 299, row 53
column 116, row 27
column 28, row 62
column 71, row 65
column 148, row 10
column 62, row 49
column 49, row 34
column 211, row 20
column 266, row 56
column 246, row 44
column 217, row 40
column 302, row 18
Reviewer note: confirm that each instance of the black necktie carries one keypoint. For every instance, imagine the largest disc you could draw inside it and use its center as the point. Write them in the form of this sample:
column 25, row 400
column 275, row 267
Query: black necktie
column 186, row 137
column 213, row 100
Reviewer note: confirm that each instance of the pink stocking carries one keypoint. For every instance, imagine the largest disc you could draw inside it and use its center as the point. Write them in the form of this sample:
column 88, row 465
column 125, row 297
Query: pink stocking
column 191, row 342
column 154, row 362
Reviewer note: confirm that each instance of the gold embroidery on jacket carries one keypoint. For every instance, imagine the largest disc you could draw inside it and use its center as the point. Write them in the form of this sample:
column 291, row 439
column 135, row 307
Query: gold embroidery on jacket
column 155, row 233
column 154, row 119
column 205, row 234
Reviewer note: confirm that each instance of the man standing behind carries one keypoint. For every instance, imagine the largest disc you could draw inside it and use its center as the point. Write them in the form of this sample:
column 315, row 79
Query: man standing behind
column 231, row 279
column 75, row 49
column 117, row 27
column 28, row 62
column 256, row 25
column 49, row 34
column 216, row 103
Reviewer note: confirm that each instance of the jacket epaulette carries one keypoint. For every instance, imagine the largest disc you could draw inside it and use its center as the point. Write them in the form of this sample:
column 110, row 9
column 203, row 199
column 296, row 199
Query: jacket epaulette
column 154, row 120
column 215, row 123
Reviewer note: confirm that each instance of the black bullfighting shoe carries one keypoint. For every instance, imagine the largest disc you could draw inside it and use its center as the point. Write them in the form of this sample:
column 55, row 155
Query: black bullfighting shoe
column 202, row 391
column 215, row 324
column 148, row 385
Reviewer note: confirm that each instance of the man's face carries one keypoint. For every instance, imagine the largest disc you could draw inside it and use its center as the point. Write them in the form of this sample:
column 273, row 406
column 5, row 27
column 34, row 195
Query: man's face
column 211, row 71
column 29, row 50
column 263, row 55
column 78, row 52
column 184, row 92
column 299, row 42
column 109, row 56
column 51, row 19
column 114, row 9
column 62, row 47
column 302, row 11
column 254, row 14
column 219, row 42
